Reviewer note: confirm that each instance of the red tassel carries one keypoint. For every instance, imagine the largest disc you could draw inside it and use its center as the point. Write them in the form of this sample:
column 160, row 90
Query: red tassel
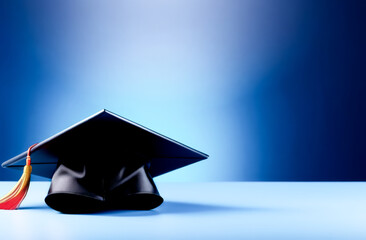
column 14, row 198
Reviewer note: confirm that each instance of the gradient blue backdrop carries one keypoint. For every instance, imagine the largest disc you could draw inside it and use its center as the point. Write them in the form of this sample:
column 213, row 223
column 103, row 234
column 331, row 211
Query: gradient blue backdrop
column 271, row 90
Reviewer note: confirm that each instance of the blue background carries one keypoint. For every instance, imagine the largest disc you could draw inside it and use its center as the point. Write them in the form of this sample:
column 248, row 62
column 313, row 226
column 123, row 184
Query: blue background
column 271, row 90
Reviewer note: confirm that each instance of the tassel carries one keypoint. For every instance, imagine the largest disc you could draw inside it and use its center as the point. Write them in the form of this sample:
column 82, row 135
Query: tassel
column 14, row 198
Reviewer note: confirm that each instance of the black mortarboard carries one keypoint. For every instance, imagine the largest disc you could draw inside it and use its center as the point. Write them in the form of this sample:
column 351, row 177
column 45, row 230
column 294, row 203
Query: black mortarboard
column 105, row 162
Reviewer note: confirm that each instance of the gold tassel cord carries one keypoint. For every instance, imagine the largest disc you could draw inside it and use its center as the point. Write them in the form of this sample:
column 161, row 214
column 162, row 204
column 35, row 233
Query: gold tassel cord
column 14, row 198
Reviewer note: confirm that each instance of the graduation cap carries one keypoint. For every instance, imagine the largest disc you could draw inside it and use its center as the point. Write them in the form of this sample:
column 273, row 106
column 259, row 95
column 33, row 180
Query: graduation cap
column 103, row 162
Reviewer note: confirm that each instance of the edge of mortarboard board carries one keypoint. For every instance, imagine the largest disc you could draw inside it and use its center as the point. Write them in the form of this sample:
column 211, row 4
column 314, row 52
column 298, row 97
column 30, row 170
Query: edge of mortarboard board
column 44, row 162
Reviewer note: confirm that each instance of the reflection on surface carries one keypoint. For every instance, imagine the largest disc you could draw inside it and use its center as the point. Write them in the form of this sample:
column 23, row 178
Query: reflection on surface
column 172, row 207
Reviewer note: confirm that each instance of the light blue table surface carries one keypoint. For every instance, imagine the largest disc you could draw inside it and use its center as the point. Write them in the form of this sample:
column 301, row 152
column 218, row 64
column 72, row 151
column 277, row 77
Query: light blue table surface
column 212, row 210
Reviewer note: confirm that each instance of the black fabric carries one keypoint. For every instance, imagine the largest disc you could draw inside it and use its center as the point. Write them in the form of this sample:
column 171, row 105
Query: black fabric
column 84, row 185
